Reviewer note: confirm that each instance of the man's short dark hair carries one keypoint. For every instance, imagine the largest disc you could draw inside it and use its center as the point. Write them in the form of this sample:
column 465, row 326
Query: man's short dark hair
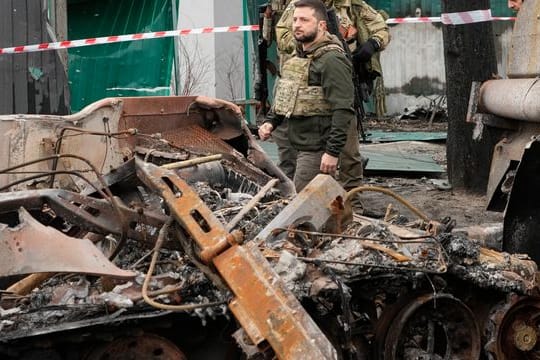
column 318, row 7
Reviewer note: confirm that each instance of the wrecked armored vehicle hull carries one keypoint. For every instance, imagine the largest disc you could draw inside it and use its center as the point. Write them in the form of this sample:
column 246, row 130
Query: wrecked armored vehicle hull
column 512, row 104
column 158, row 228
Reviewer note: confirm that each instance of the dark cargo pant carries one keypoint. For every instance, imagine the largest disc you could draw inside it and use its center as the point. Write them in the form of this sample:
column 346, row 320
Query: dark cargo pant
column 287, row 154
column 350, row 171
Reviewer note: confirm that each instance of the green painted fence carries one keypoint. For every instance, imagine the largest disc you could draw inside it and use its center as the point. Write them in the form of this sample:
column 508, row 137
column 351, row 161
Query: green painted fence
column 403, row 8
column 137, row 68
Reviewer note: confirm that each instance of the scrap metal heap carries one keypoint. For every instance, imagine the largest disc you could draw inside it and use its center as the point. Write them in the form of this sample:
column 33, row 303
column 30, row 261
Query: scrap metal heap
column 144, row 227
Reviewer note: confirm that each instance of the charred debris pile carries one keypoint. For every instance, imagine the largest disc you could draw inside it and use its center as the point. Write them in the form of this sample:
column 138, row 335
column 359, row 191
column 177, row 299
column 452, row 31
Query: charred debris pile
column 193, row 219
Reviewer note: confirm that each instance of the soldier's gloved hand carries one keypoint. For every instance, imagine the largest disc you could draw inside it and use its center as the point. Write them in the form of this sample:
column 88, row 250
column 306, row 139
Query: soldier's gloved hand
column 363, row 53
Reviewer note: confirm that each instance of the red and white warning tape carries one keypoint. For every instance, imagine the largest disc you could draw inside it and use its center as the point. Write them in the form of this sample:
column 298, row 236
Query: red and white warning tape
column 467, row 17
column 121, row 38
column 458, row 18
column 413, row 20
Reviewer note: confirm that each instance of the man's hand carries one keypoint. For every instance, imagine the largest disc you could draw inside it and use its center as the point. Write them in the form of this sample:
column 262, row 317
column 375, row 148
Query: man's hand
column 328, row 164
column 366, row 51
column 265, row 130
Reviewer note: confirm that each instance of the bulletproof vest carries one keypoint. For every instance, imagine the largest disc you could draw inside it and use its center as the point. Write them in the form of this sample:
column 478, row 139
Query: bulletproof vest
column 293, row 95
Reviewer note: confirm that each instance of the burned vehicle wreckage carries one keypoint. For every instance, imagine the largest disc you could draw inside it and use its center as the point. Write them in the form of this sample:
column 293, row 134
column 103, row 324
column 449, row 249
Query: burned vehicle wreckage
column 157, row 228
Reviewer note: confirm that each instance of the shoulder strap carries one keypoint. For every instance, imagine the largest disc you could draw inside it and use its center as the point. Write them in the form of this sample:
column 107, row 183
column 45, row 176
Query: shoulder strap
column 325, row 49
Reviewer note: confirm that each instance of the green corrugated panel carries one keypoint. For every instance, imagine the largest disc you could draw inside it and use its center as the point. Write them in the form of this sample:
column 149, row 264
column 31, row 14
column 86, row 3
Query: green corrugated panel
column 399, row 162
column 380, row 136
column 380, row 159
column 137, row 68
column 403, row 8
column 500, row 8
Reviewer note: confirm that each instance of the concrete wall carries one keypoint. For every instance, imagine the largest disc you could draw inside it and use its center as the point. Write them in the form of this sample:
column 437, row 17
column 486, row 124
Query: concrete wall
column 220, row 55
column 413, row 63
column 196, row 53
column 229, row 52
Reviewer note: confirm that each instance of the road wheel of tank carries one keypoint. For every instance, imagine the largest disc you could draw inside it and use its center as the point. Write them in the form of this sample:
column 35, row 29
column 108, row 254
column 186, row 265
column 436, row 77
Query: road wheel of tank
column 147, row 346
column 513, row 329
column 432, row 326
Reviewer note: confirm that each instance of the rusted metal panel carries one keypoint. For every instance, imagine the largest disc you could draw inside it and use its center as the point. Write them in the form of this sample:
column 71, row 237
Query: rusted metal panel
column 32, row 247
column 29, row 137
column 157, row 114
column 198, row 124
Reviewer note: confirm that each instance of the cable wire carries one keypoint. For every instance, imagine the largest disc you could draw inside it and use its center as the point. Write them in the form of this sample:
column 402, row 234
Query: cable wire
column 187, row 307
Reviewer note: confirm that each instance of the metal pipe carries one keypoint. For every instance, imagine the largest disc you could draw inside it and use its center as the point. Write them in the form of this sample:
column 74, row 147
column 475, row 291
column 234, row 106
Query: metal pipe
column 192, row 162
column 517, row 99
column 251, row 204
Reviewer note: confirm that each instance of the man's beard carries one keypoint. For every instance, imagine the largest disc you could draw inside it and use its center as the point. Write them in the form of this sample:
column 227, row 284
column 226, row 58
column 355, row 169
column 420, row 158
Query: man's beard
column 306, row 37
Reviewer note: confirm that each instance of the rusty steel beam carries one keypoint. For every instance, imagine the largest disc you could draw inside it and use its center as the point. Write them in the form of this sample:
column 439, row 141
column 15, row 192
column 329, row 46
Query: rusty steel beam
column 265, row 308
column 31, row 247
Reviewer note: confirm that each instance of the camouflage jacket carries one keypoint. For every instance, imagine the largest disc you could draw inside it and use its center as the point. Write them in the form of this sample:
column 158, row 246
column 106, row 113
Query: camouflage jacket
column 369, row 23
column 333, row 72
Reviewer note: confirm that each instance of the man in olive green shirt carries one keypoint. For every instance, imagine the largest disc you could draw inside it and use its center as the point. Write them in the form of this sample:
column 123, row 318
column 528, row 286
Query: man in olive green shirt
column 315, row 94
column 367, row 34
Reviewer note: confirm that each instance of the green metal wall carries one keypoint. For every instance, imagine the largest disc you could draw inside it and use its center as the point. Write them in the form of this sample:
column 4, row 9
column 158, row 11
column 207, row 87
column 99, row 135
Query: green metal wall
column 137, row 68
column 403, row 8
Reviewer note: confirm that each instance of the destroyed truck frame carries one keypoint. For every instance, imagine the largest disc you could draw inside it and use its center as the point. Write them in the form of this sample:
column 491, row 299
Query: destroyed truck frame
column 304, row 278
column 267, row 311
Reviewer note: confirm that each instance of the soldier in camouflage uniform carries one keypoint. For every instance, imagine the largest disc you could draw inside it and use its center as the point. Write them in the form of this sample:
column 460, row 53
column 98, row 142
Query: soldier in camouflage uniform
column 359, row 24
column 315, row 94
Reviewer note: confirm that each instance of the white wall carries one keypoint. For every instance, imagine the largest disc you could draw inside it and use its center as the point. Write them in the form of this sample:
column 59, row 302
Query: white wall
column 413, row 63
column 229, row 52
column 200, row 49
column 222, row 54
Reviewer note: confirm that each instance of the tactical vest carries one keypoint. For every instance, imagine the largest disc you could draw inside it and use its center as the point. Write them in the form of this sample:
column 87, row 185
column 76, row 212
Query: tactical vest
column 294, row 97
